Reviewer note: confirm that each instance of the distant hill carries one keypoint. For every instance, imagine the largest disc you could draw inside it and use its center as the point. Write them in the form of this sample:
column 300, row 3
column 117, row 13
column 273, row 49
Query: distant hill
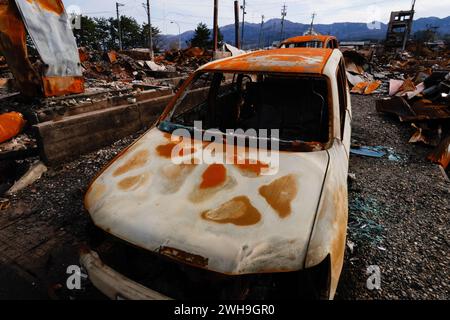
column 344, row 31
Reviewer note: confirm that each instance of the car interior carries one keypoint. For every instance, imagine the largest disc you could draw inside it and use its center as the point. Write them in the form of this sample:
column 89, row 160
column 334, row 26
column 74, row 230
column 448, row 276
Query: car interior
column 297, row 106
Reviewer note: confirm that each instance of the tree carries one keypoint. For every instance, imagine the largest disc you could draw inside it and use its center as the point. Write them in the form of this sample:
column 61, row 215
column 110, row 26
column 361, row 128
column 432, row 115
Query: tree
column 220, row 38
column 102, row 32
column 428, row 35
column 155, row 35
column 85, row 36
column 202, row 37
column 131, row 33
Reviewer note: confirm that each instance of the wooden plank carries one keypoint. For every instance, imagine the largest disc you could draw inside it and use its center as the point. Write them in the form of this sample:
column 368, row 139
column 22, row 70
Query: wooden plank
column 73, row 136
column 76, row 135
column 150, row 110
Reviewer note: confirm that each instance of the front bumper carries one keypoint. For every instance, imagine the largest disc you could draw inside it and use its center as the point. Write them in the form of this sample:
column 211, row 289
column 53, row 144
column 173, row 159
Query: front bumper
column 113, row 284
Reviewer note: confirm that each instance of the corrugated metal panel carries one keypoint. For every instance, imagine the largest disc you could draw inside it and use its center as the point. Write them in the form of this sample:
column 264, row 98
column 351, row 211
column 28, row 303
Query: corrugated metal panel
column 48, row 25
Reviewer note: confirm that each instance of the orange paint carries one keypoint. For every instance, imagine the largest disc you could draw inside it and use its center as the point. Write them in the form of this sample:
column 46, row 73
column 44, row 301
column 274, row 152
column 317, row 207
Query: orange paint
column 11, row 124
column 301, row 39
column 60, row 86
column 280, row 194
column 54, row 6
column 290, row 60
column 214, row 176
column 137, row 161
column 374, row 85
column 238, row 211
column 166, row 150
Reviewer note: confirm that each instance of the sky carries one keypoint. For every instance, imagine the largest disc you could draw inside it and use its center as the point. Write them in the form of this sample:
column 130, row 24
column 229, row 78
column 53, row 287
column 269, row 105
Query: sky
column 172, row 16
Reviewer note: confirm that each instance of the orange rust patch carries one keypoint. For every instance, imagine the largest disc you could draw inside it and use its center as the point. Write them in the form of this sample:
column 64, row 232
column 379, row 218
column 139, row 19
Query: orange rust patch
column 133, row 182
column 166, row 150
column 186, row 257
column 280, row 193
column 238, row 211
column 58, row 86
column 250, row 167
column 214, row 176
column 137, row 161
column 338, row 245
column 54, row 6
column 290, row 60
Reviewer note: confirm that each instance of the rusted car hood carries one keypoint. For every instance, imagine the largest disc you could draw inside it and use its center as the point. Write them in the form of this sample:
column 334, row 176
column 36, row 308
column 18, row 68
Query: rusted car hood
column 228, row 219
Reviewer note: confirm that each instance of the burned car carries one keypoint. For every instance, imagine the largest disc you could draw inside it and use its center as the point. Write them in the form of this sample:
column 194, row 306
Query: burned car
column 311, row 41
column 248, row 227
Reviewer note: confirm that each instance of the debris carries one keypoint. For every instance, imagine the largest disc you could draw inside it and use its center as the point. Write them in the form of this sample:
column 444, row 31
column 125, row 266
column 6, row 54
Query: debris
column 444, row 174
column 234, row 51
column 419, row 110
column 112, row 56
column 442, row 154
column 373, row 152
column 19, row 147
column 155, row 67
column 11, row 124
column 366, row 87
column 351, row 246
column 4, row 204
column 34, row 173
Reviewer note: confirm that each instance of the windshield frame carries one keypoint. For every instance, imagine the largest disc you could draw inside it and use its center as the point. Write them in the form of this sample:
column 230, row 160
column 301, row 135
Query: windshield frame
column 293, row 146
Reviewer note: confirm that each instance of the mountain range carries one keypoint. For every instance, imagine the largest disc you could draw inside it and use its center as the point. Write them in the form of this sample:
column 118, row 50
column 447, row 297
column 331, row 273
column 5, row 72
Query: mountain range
column 344, row 31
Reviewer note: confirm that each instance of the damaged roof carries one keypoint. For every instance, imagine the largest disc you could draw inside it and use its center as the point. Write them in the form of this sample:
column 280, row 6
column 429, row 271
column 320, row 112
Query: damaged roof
column 321, row 38
column 291, row 60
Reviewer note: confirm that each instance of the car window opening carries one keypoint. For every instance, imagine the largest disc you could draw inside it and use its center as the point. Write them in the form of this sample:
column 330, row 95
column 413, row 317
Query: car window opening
column 305, row 44
column 296, row 106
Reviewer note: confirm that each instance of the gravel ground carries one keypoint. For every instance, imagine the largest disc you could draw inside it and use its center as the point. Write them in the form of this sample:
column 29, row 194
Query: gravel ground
column 399, row 217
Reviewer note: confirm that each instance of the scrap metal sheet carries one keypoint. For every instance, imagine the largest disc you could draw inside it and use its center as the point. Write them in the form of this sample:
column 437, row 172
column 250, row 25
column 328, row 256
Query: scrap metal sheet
column 48, row 25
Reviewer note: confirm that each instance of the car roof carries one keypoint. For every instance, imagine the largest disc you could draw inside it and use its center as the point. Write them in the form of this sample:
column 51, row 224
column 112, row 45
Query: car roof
column 321, row 38
column 291, row 60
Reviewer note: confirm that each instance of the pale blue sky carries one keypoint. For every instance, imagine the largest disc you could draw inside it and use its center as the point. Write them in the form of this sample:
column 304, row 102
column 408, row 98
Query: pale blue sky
column 189, row 13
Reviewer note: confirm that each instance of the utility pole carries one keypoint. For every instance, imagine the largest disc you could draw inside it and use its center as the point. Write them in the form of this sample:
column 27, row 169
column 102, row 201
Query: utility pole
column 283, row 15
column 118, row 21
column 236, row 24
column 312, row 23
column 243, row 24
column 150, row 35
column 261, row 31
column 216, row 26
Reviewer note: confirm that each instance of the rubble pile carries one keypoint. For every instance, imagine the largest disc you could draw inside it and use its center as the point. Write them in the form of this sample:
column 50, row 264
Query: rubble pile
column 3, row 65
column 417, row 86
column 111, row 66
column 134, row 65
column 185, row 60
column 427, row 107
